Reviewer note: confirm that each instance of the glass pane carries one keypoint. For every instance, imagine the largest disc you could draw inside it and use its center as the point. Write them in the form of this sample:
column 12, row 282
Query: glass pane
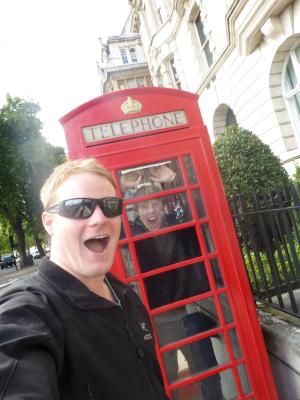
column 159, row 212
column 199, row 356
column 207, row 238
column 136, row 288
column 199, row 203
column 201, row 29
column 296, row 99
column 235, row 344
column 130, row 83
column 226, row 308
column 291, row 75
column 127, row 261
column 190, row 169
column 122, row 233
column 244, row 378
column 175, row 285
column 186, row 321
column 201, row 390
column 160, row 175
column 297, row 53
column 217, row 272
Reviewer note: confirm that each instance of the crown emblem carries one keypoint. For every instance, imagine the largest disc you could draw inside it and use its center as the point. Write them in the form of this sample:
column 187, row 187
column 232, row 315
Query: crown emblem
column 131, row 106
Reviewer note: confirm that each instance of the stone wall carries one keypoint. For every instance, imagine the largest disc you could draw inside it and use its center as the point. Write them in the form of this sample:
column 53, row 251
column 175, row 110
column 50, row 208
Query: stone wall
column 282, row 336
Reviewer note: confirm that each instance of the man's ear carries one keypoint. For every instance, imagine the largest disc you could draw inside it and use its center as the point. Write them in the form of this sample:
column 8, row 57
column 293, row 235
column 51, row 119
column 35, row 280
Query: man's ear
column 48, row 220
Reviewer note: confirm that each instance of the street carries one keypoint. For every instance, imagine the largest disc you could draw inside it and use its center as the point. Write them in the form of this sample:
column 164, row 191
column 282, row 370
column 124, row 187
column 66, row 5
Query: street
column 10, row 275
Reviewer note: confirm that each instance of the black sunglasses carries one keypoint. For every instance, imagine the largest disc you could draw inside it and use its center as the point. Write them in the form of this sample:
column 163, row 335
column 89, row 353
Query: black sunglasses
column 84, row 207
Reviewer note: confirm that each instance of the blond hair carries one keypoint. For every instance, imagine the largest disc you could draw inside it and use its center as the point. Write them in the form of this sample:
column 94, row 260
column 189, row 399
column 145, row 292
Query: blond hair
column 62, row 172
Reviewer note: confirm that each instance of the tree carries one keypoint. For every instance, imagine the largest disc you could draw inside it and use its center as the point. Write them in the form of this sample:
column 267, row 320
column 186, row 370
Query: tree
column 296, row 176
column 246, row 164
column 26, row 160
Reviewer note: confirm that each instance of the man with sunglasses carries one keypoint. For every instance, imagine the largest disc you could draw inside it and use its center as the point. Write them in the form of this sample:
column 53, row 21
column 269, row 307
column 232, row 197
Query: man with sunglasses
column 73, row 331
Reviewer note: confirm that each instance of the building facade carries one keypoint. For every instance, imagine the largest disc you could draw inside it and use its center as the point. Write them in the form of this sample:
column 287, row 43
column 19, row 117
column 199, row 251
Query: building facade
column 241, row 56
column 123, row 63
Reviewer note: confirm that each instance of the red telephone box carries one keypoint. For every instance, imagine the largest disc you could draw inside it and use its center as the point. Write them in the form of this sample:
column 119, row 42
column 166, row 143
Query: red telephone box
column 178, row 247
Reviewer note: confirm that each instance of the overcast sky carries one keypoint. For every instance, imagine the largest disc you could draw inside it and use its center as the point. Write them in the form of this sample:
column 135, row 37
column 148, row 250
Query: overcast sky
column 48, row 53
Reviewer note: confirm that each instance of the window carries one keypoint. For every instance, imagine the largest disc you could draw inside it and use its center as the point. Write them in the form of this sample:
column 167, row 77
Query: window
column 175, row 74
column 202, row 31
column 130, row 83
column 133, row 56
column 121, row 84
column 124, row 56
column 140, row 81
column 291, row 86
column 230, row 118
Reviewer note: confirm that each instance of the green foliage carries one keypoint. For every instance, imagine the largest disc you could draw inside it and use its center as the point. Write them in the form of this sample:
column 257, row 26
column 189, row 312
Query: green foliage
column 246, row 164
column 4, row 234
column 296, row 176
column 26, row 161
column 254, row 261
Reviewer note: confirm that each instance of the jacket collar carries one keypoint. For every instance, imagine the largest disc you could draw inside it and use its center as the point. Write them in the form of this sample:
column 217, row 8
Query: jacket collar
column 75, row 290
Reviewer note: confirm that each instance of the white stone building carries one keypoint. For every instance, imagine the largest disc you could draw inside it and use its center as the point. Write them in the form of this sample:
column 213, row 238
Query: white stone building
column 123, row 63
column 241, row 56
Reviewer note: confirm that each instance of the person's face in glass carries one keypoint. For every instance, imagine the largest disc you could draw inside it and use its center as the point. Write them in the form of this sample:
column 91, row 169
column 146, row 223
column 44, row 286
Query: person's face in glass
column 151, row 213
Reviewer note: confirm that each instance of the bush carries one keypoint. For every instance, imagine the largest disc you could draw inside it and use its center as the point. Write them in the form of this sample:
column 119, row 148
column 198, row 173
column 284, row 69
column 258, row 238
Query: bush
column 246, row 164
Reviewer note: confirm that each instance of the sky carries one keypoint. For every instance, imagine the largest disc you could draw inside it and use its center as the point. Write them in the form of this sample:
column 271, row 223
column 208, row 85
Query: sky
column 49, row 51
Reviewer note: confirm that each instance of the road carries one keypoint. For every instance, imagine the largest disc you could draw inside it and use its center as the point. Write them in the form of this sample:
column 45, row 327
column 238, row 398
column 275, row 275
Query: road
column 11, row 275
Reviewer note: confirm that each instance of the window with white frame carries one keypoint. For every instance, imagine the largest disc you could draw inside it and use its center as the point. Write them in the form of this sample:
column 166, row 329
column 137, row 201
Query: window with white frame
column 291, row 86
column 130, row 83
column 175, row 73
column 124, row 55
column 140, row 81
column 133, row 55
column 202, row 31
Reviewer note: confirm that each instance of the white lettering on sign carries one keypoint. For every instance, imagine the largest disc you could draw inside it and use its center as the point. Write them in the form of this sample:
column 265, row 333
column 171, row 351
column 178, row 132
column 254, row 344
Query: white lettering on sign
column 136, row 125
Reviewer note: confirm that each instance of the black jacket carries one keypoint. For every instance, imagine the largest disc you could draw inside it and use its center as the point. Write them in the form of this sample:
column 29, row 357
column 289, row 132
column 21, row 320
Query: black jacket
column 58, row 340
column 167, row 249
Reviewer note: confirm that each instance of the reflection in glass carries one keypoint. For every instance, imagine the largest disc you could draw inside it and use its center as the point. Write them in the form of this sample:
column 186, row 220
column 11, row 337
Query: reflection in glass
column 186, row 321
column 122, row 233
column 159, row 212
column 291, row 74
column 190, row 169
column 226, row 308
column 228, row 388
column 244, row 378
column 200, row 356
column 127, row 261
column 215, row 266
column 199, row 203
column 136, row 288
column 162, row 174
column 237, row 353
column 175, row 285
column 207, row 238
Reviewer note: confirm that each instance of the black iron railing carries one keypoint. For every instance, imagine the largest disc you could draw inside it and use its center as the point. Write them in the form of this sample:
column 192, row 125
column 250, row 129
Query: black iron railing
column 268, row 228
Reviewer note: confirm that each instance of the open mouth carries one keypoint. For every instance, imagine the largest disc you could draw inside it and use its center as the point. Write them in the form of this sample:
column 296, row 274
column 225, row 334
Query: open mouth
column 152, row 220
column 97, row 244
